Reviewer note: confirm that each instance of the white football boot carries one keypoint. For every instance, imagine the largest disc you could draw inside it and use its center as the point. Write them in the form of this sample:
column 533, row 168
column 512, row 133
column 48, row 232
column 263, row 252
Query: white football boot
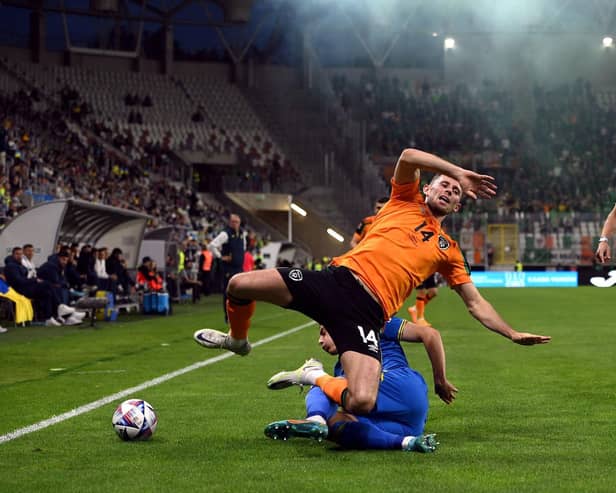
column 215, row 339
column 306, row 374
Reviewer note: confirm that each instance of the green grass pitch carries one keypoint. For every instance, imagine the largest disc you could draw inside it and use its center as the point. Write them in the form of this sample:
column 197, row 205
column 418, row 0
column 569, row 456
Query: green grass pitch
column 526, row 419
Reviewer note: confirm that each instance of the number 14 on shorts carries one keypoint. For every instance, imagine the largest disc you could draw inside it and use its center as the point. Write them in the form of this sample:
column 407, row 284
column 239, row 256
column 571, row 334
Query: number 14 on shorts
column 369, row 339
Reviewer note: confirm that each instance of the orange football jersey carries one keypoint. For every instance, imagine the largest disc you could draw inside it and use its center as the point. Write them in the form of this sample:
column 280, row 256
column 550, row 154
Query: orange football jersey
column 404, row 246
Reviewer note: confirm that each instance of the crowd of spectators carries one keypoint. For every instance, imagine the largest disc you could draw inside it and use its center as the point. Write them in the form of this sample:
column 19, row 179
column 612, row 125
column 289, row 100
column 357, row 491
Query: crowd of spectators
column 555, row 154
column 42, row 158
column 147, row 142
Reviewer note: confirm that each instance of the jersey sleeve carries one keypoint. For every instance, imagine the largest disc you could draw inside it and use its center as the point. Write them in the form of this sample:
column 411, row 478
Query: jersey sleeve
column 392, row 329
column 456, row 270
column 409, row 192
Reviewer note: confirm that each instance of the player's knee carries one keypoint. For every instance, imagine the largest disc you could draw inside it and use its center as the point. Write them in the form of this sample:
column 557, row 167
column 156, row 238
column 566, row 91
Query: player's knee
column 361, row 401
column 235, row 285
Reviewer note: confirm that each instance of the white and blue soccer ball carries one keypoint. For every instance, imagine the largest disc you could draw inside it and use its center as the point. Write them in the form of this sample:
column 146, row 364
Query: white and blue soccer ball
column 134, row 419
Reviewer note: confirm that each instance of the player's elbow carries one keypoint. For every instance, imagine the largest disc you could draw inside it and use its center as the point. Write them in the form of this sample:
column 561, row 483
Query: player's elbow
column 409, row 155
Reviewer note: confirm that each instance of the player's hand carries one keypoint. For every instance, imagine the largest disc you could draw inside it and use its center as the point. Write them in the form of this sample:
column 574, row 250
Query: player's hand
column 603, row 252
column 475, row 185
column 446, row 391
column 526, row 339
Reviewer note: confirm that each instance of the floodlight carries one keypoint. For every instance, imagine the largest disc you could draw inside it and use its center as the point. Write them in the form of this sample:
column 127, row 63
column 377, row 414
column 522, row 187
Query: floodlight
column 298, row 209
column 334, row 234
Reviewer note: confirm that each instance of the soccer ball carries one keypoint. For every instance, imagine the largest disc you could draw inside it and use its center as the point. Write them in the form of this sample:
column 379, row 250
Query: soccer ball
column 134, row 419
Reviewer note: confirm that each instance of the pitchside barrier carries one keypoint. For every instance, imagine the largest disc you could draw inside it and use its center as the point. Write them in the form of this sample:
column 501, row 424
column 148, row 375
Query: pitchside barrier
column 546, row 279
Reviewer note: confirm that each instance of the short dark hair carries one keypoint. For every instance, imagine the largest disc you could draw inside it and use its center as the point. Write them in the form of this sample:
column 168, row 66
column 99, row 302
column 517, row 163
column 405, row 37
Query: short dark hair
column 28, row 245
column 15, row 249
column 435, row 177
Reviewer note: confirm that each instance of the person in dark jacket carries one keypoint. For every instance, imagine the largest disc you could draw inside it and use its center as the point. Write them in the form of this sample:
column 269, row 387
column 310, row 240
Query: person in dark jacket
column 50, row 307
column 54, row 272
column 116, row 266
column 85, row 266
column 229, row 247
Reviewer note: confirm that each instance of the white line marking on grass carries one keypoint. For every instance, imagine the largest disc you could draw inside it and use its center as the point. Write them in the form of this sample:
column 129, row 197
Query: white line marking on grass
column 95, row 372
column 137, row 388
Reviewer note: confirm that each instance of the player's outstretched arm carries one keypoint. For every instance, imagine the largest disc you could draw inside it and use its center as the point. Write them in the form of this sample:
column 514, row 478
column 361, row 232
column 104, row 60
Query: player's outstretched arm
column 483, row 311
column 431, row 339
column 603, row 253
column 411, row 161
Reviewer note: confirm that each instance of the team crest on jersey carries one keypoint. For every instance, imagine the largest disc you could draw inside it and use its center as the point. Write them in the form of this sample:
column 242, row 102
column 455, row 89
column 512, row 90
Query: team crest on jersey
column 443, row 243
column 296, row 275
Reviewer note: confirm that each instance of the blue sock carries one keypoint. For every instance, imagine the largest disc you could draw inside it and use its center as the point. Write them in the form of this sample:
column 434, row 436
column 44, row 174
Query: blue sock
column 364, row 435
column 318, row 404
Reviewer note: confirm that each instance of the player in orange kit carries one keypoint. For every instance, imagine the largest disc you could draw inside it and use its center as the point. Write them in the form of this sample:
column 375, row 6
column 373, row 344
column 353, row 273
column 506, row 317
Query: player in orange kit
column 366, row 223
column 363, row 288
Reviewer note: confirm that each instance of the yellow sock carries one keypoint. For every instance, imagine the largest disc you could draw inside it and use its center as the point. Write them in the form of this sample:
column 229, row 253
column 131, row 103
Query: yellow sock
column 239, row 318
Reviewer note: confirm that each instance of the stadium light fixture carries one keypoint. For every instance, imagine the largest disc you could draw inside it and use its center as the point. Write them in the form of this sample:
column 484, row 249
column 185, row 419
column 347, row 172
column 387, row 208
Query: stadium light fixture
column 608, row 42
column 435, row 34
column 298, row 209
column 449, row 43
column 335, row 235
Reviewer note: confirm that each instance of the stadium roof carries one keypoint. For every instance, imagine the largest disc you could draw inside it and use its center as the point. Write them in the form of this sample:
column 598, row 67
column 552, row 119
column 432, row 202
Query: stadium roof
column 438, row 15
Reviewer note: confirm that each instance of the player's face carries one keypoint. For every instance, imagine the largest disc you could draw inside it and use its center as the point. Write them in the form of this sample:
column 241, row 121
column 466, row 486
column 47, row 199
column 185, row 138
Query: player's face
column 443, row 195
column 326, row 342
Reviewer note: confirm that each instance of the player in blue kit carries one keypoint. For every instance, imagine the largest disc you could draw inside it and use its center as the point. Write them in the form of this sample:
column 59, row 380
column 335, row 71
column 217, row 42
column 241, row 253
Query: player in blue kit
column 399, row 417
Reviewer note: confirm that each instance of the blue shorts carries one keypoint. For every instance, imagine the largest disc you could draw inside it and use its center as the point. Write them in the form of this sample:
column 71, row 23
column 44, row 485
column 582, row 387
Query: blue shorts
column 402, row 403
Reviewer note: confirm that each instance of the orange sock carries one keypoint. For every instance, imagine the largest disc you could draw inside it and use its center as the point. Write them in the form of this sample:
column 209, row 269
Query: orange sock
column 239, row 318
column 420, row 304
column 333, row 387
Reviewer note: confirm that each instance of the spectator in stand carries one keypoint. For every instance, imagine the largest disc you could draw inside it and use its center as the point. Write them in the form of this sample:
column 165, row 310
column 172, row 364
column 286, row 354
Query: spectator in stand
column 85, row 268
column 72, row 276
column 105, row 281
column 50, row 307
column 27, row 262
column 172, row 277
column 189, row 280
column 147, row 277
column 206, row 264
column 249, row 261
column 116, row 267
column 54, row 272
